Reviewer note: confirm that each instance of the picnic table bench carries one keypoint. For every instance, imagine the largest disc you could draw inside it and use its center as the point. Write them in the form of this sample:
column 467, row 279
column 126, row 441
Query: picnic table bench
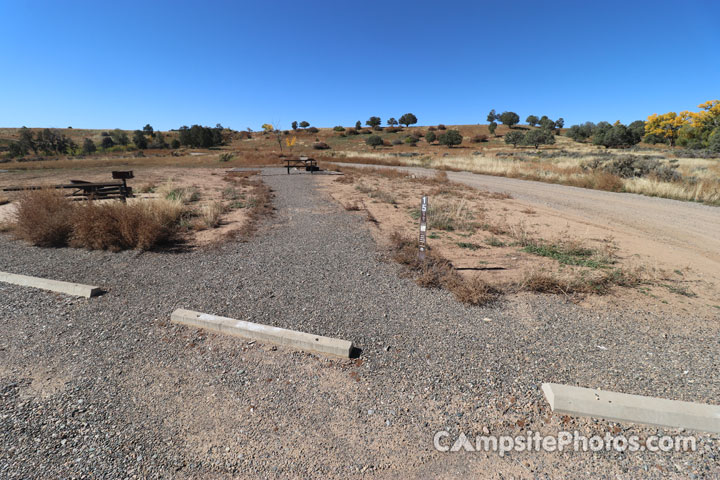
column 83, row 189
column 310, row 164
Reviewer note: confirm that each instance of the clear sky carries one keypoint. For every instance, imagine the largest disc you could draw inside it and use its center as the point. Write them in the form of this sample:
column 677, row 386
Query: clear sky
column 124, row 64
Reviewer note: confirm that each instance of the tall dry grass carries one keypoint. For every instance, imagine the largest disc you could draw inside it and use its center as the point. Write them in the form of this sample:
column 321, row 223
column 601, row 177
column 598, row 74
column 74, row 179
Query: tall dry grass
column 210, row 214
column 118, row 226
column 46, row 218
column 700, row 183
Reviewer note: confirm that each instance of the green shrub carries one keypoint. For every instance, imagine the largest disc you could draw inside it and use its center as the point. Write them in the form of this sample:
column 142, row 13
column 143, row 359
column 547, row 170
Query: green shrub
column 374, row 141
column 514, row 138
column 538, row 137
column 450, row 138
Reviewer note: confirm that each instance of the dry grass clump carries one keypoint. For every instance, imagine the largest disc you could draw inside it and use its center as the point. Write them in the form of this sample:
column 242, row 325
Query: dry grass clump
column 383, row 196
column 473, row 291
column 583, row 282
column 597, row 180
column 450, row 216
column 436, row 271
column 44, row 218
column 172, row 192
column 210, row 214
column 118, row 226
column 346, row 178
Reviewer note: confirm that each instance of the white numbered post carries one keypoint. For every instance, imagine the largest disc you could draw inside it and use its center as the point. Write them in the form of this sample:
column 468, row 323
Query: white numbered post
column 423, row 227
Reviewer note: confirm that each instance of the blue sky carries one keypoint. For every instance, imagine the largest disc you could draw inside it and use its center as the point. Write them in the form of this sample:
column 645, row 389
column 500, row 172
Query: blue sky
column 125, row 64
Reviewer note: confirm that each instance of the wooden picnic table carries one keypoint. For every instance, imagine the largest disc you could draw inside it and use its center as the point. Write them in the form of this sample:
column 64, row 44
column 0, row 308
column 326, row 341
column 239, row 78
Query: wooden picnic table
column 310, row 164
column 83, row 189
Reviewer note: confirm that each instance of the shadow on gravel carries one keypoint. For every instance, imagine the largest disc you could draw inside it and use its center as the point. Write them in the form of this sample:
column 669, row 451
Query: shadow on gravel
column 355, row 352
column 477, row 269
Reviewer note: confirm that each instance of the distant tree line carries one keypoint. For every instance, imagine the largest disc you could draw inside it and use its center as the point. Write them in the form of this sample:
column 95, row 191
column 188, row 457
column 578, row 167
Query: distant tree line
column 198, row 136
column 511, row 119
column 47, row 141
column 694, row 130
column 604, row 134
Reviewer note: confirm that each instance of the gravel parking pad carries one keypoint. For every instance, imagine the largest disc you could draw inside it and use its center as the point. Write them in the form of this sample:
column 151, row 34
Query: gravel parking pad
column 109, row 388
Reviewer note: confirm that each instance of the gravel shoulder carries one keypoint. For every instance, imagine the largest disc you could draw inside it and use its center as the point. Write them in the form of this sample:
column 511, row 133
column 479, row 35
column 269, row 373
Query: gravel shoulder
column 108, row 388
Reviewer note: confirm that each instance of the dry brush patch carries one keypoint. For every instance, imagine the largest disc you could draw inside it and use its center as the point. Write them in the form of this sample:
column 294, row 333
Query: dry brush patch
column 175, row 214
column 47, row 218
column 470, row 231
column 435, row 271
column 654, row 174
column 259, row 202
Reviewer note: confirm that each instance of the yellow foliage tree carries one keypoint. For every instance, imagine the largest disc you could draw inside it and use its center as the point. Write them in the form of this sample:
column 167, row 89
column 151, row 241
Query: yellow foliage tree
column 708, row 117
column 267, row 127
column 667, row 125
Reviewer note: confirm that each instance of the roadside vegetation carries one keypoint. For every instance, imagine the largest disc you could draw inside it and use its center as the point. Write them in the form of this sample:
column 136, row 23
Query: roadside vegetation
column 471, row 231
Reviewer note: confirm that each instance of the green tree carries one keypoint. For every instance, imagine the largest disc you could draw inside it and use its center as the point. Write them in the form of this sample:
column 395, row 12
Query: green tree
column 714, row 141
column 294, row 125
column 16, row 150
column 139, row 139
column 408, row 119
column 392, row 122
column 358, row 125
column 52, row 142
column 159, row 141
column 430, row 137
column 538, row 137
column 373, row 122
column 89, row 147
column 175, row 144
column 509, row 118
column 532, row 120
column 492, row 116
column 304, row 124
column 492, row 127
column 637, row 130
column 546, row 123
column 26, row 141
column 514, row 138
column 107, row 142
column 560, row 122
column 615, row 136
column 450, row 138
column 120, row 137
column 374, row 141
column 148, row 130
column 582, row 132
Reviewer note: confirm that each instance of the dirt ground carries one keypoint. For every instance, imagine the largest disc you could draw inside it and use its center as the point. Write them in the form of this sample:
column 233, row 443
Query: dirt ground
column 673, row 280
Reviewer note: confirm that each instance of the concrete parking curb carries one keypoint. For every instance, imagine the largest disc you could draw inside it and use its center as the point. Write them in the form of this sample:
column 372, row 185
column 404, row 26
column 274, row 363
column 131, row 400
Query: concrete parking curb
column 69, row 288
column 622, row 407
column 263, row 333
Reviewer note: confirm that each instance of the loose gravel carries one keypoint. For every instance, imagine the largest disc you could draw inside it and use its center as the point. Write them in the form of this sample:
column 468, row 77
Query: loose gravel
column 109, row 388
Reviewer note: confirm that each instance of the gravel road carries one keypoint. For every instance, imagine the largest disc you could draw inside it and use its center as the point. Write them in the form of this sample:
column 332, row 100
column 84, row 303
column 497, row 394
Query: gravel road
column 108, row 388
